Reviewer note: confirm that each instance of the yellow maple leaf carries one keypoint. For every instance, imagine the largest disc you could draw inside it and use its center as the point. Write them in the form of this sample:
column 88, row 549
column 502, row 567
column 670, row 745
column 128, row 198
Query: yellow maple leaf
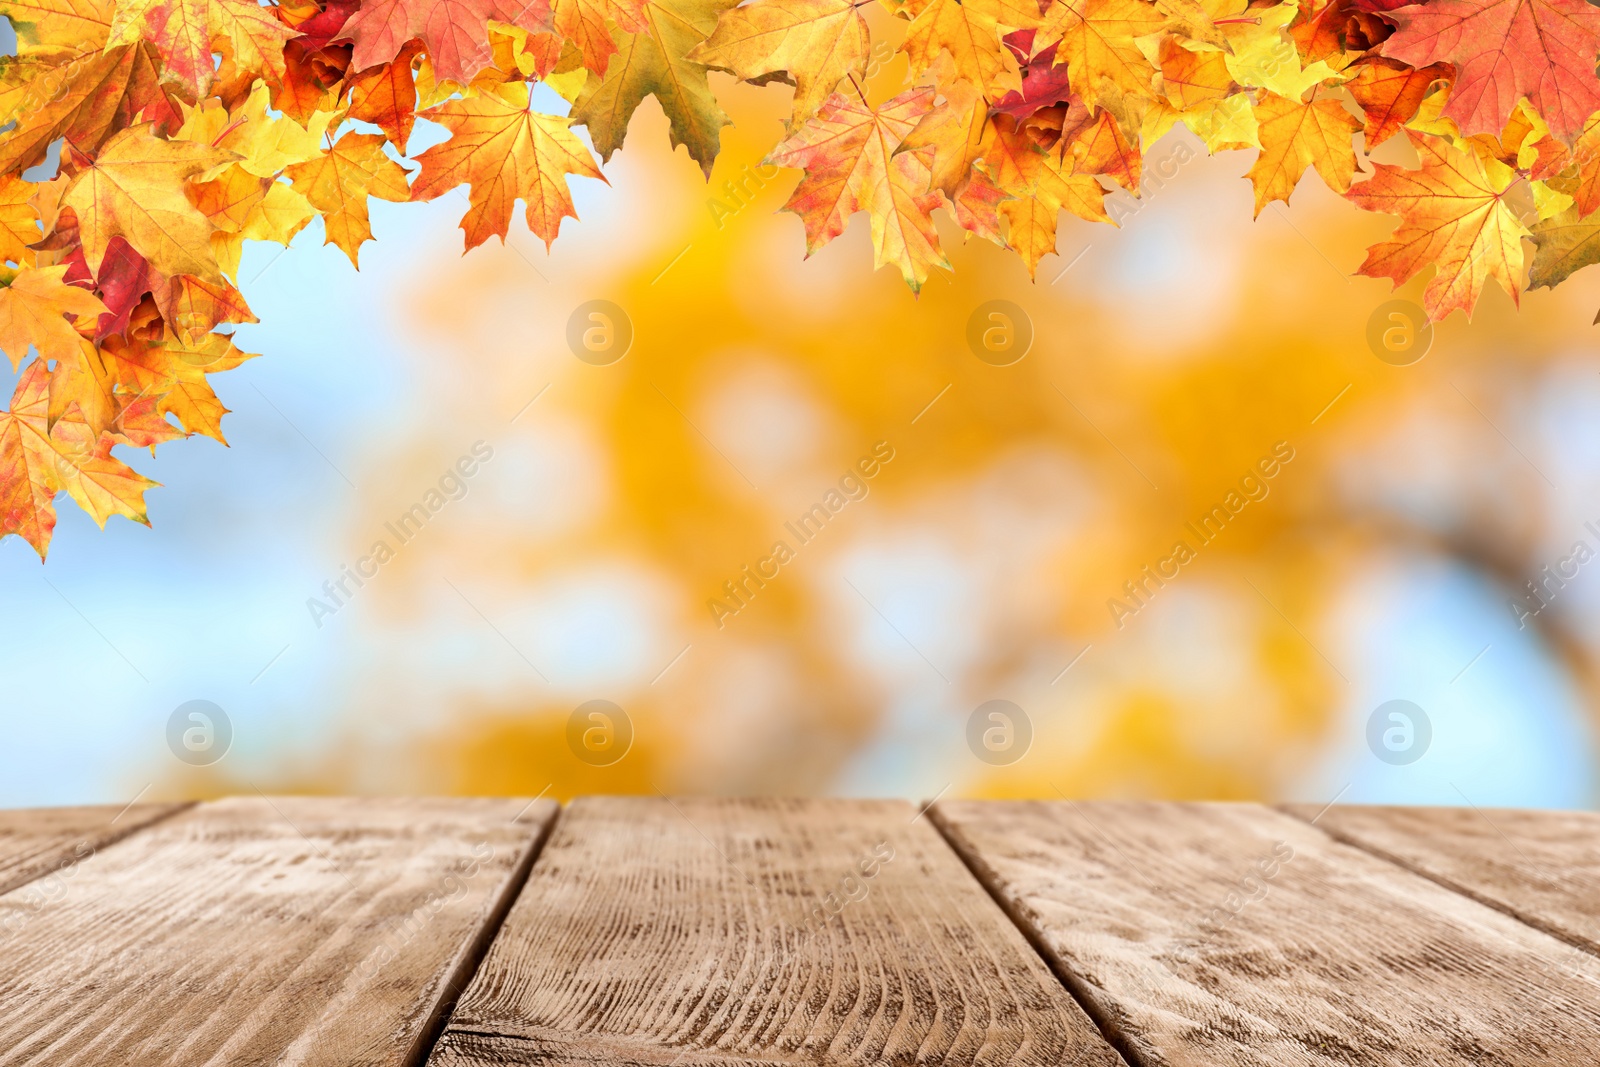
column 848, row 154
column 1040, row 185
column 19, row 222
column 969, row 31
column 1296, row 135
column 38, row 459
column 337, row 183
column 504, row 152
column 1099, row 44
column 34, row 308
column 1454, row 216
column 135, row 187
column 816, row 43
column 264, row 143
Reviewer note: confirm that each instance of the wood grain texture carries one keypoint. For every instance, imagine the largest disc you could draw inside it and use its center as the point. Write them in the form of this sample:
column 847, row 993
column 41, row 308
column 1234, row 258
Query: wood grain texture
column 38, row 842
column 660, row 932
column 1212, row 934
column 1541, row 866
column 285, row 931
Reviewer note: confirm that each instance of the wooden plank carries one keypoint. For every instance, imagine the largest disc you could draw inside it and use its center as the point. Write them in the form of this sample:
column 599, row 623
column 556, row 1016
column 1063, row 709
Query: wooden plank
column 697, row 932
column 1539, row 866
column 256, row 931
column 39, row 842
column 1235, row 935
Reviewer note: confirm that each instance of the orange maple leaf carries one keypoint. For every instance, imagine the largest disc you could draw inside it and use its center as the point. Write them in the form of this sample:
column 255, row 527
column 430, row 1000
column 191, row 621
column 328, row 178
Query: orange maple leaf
column 1453, row 216
column 848, row 153
column 34, row 305
column 455, row 33
column 505, row 152
column 1504, row 50
column 1296, row 135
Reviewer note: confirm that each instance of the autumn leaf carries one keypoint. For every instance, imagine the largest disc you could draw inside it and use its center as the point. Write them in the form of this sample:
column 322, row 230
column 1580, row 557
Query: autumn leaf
column 1043, row 82
column 35, row 305
column 1504, row 50
column 386, row 96
column 1453, row 216
column 653, row 62
column 38, row 460
column 504, row 152
column 1098, row 146
column 816, row 43
column 1098, row 43
column 950, row 136
column 183, row 31
column 848, row 154
column 455, row 33
column 84, row 102
column 19, row 222
column 1040, row 185
column 587, row 24
column 135, row 187
column 1296, row 135
column 1389, row 94
column 338, row 183
column 59, row 27
column 28, row 482
column 1562, row 245
column 174, row 371
column 970, row 32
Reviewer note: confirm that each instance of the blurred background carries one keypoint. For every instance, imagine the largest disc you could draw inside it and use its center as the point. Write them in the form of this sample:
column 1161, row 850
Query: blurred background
column 986, row 560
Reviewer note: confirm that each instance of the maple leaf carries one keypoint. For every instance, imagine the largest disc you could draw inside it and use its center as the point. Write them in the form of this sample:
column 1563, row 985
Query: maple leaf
column 816, row 43
column 504, row 152
column 34, row 305
column 19, row 222
column 1040, row 184
column 970, row 32
column 183, row 31
column 135, row 187
column 386, row 96
column 174, row 371
column 264, row 143
column 1389, row 94
column 1454, row 216
column 587, row 24
column 653, row 62
column 454, row 32
column 38, row 460
column 1296, row 135
column 1097, row 145
column 1043, row 83
column 1583, row 185
column 338, row 182
column 28, row 483
column 848, row 154
column 85, row 101
column 951, row 135
column 1098, row 44
column 1504, row 50
column 1562, row 245
column 57, row 27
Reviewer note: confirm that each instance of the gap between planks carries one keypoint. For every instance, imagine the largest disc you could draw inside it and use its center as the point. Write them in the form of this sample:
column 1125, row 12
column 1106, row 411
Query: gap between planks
column 1032, row 932
column 1504, row 907
column 472, row 957
column 52, row 859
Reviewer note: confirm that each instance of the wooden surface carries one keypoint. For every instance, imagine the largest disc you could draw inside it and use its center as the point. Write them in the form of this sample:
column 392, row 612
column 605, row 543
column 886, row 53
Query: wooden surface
column 655, row 932
column 261, row 931
column 44, row 842
column 680, row 932
column 1541, row 866
column 1329, row 956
